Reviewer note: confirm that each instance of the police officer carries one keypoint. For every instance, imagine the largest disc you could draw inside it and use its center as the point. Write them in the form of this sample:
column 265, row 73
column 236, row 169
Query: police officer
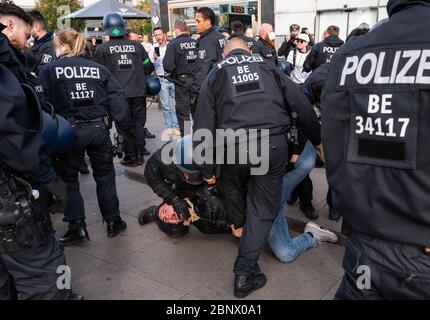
column 375, row 130
column 231, row 99
column 186, row 197
column 43, row 48
column 237, row 32
column 29, row 254
column 323, row 51
column 209, row 49
column 128, row 61
column 265, row 46
column 86, row 93
column 180, row 62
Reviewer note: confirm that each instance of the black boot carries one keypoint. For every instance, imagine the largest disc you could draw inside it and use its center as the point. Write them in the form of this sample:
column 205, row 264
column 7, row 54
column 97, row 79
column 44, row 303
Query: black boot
column 333, row 214
column 77, row 233
column 147, row 215
column 140, row 159
column 246, row 284
column 309, row 211
column 129, row 162
column 148, row 134
column 115, row 227
column 294, row 196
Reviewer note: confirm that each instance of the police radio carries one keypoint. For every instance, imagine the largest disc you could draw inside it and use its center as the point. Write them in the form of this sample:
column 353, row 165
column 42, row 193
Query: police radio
column 118, row 147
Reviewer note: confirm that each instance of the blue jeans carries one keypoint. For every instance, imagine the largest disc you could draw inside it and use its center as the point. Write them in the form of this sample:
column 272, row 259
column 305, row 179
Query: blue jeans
column 167, row 99
column 285, row 248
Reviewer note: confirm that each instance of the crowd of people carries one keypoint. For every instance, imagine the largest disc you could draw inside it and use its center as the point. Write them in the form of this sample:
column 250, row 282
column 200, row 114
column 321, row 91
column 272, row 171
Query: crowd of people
column 308, row 102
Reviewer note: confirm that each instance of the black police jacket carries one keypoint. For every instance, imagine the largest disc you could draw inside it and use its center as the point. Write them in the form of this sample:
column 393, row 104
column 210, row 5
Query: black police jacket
column 249, row 41
column 209, row 51
column 128, row 62
column 43, row 50
column 376, row 127
column 322, row 53
column 165, row 179
column 181, row 56
column 265, row 50
column 85, row 90
column 22, row 148
column 248, row 92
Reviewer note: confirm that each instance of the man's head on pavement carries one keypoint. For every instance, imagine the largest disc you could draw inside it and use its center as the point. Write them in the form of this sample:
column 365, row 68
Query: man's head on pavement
column 205, row 19
column 159, row 35
column 234, row 44
column 17, row 24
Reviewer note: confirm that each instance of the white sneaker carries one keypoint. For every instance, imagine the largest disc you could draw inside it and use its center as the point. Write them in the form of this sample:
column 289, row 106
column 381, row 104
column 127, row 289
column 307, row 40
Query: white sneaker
column 321, row 235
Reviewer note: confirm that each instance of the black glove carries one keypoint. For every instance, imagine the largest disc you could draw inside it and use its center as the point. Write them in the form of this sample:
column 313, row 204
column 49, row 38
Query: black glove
column 181, row 208
column 59, row 190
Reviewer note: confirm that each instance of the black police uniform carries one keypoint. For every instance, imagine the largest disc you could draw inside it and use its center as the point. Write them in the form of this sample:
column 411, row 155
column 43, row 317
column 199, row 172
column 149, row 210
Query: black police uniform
column 265, row 50
column 261, row 100
column 322, row 53
column 86, row 93
column 43, row 50
column 130, row 64
column 375, row 132
column 249, row 41
column 29, row 253
column 166, row 181
column 210, row 46
column 180, row 61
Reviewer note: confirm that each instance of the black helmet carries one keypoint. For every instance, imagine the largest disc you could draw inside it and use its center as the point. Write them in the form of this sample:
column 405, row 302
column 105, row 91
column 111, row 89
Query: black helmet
column 114, row 25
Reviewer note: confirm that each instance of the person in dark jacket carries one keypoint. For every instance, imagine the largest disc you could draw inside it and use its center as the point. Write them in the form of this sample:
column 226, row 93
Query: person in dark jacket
column 375, row 132
column 323, row 51
column 265, row 46
column 43, row 48
column 238, row 32
column 289, row 41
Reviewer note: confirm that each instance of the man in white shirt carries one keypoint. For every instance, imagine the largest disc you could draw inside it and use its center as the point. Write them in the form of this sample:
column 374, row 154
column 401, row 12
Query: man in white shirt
column 167, row 93
column 297, row 58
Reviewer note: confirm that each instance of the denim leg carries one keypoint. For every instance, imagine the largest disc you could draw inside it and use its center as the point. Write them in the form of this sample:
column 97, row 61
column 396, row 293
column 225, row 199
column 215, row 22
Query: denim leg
column 279, row 240
column 165, row 102
column 175, row 124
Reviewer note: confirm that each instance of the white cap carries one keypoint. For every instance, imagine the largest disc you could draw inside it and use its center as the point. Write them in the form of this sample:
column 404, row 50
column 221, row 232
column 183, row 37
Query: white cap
column 304, row 37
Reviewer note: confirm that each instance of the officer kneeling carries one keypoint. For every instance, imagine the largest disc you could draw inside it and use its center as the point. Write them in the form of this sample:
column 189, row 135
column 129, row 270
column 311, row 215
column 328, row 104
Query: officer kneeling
column 186, row 197
column 86, row 94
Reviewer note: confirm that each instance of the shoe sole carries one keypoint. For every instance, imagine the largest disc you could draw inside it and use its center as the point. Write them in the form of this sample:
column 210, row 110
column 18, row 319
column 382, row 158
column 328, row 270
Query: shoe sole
column 245, row 294
column 319, row 233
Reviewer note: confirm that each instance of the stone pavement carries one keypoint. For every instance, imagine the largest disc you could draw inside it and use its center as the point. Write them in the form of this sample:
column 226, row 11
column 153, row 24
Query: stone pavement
column 143, row 263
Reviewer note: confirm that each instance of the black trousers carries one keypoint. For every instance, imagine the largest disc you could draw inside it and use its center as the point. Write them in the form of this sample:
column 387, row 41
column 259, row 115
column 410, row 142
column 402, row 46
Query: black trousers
column 183, row 102
column 32, row 273
column 397, row 271
column 94, row 139
column 256, row 198
column 304, row 190
column 137, row 108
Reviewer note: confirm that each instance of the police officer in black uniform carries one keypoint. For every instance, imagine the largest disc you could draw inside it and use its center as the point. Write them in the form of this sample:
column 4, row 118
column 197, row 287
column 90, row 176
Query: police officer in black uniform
column 323, row 51
column 180, row 62
column 130, row 64
column 209, row 49
column 265, row 46
column 43, row 48
column 232, row 98
column 29, row 254
column 375, row 132
column 238, row 32
column 86, row 94
column 180, row 185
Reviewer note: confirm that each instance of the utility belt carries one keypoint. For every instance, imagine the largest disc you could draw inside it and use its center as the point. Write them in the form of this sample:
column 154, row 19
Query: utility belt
column 20, row 228
column 82, row 122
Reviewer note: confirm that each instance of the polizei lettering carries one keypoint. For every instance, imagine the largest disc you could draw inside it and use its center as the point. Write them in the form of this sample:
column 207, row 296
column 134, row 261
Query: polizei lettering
column 239, row 60
column 387, row 67
column 77, row 72
column 122, row 48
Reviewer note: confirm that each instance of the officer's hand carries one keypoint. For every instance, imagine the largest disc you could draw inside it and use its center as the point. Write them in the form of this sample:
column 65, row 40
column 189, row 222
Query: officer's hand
column 294, row 158
column 59, row 190
column 181, row 208
column 210, row 181
column 237, row 233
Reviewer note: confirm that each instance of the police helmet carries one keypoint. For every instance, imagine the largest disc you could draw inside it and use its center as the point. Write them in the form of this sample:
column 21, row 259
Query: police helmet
column 49, row 129
column 114, row 25
column 65, row 135
column 183, row 159
column 153, row 85
column 284, row 66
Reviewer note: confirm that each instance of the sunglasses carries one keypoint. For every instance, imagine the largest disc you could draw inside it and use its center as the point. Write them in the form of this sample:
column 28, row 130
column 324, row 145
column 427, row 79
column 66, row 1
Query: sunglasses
column 300, row 40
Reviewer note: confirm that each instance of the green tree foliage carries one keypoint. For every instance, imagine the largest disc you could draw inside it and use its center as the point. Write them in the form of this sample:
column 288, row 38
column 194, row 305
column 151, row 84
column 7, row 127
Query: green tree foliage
column 51, row 11
column 142, row 26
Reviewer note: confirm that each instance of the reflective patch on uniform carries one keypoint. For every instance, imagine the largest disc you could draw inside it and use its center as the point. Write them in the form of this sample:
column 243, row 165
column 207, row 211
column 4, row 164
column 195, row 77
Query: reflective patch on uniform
column 146, row 61
column 81, row 94
column 245, row 79
column 384, row 128
column 202, row 54
column 116, row 32
column 46, row 58
column 124, row 62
